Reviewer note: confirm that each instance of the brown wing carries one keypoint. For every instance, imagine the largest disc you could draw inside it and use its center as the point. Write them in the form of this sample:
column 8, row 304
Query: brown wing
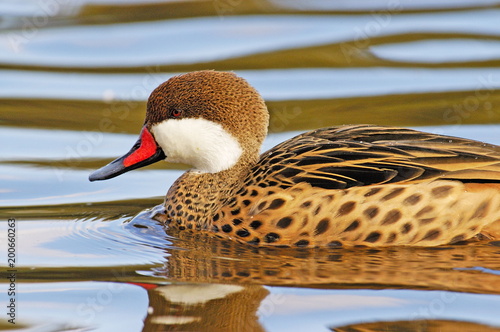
column 360, row 155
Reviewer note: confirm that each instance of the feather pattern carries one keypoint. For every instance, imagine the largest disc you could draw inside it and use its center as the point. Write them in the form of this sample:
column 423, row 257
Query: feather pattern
column 367, row 185
column 361, row 155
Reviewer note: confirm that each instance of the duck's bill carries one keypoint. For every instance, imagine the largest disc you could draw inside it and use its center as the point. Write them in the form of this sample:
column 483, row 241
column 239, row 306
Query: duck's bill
column 144, row 152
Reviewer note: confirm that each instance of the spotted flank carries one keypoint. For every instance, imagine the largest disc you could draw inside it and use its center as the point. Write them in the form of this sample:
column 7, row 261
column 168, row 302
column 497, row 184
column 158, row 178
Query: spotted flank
column 339, row 186
column 425, row 214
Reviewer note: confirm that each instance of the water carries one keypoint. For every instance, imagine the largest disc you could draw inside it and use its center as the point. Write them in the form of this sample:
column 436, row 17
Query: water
column 74, row 77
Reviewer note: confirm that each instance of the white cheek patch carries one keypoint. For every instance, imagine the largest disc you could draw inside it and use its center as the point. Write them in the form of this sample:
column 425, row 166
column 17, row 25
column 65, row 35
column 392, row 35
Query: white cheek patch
column 198, row 142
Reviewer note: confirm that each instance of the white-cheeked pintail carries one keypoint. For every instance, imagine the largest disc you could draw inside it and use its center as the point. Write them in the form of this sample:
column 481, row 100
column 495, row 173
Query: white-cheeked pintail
column 338, row 186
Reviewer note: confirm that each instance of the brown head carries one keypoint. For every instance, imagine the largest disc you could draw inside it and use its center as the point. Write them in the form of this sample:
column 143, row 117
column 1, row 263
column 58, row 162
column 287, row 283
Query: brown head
column 208, row 119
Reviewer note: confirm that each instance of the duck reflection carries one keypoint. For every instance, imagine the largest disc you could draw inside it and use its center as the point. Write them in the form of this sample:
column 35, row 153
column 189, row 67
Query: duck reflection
column 218, row 285
column 197, row 257
column 416, row 326
column 204, row 307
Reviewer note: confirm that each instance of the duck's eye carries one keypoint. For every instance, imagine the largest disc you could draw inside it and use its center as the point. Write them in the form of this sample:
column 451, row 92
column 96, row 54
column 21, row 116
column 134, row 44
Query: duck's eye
column 176, row 113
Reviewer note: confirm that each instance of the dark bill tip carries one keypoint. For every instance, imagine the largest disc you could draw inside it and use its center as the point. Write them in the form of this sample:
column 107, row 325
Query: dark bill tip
column 144, row 152
column 116, row 167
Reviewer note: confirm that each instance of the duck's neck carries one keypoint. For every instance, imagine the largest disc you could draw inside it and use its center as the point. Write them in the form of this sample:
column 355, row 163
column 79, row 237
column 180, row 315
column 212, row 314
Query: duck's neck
column 195, row 198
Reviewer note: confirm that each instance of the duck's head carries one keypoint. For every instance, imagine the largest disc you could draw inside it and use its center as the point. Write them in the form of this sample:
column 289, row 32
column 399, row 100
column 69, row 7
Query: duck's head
column 207, row 119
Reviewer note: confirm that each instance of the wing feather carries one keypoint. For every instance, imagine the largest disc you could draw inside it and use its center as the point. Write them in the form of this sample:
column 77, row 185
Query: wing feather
column 361, row 155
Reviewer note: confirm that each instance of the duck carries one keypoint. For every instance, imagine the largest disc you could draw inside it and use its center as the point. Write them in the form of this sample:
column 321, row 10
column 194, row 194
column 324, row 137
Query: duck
column 341, row 186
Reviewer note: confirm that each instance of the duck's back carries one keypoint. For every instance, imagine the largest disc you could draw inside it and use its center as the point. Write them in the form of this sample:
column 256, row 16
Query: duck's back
column 368, row 185
column 362, row 155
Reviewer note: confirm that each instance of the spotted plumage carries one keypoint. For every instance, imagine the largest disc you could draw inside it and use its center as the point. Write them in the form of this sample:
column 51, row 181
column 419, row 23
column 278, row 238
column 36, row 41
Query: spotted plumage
column 340, row 186
column 367, row 185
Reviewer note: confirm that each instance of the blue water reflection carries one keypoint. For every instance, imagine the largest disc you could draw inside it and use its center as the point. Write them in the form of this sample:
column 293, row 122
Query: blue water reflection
column 197, row 40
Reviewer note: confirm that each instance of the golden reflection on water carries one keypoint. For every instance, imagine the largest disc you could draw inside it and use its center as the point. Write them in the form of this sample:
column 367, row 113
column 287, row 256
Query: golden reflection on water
column 214, row 260
column 416, row 326
column 218, row 284
column 429, row 109
column 236, row 308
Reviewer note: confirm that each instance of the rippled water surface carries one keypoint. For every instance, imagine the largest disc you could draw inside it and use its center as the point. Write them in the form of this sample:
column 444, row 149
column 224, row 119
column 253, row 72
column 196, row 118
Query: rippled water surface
column 74, row 77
